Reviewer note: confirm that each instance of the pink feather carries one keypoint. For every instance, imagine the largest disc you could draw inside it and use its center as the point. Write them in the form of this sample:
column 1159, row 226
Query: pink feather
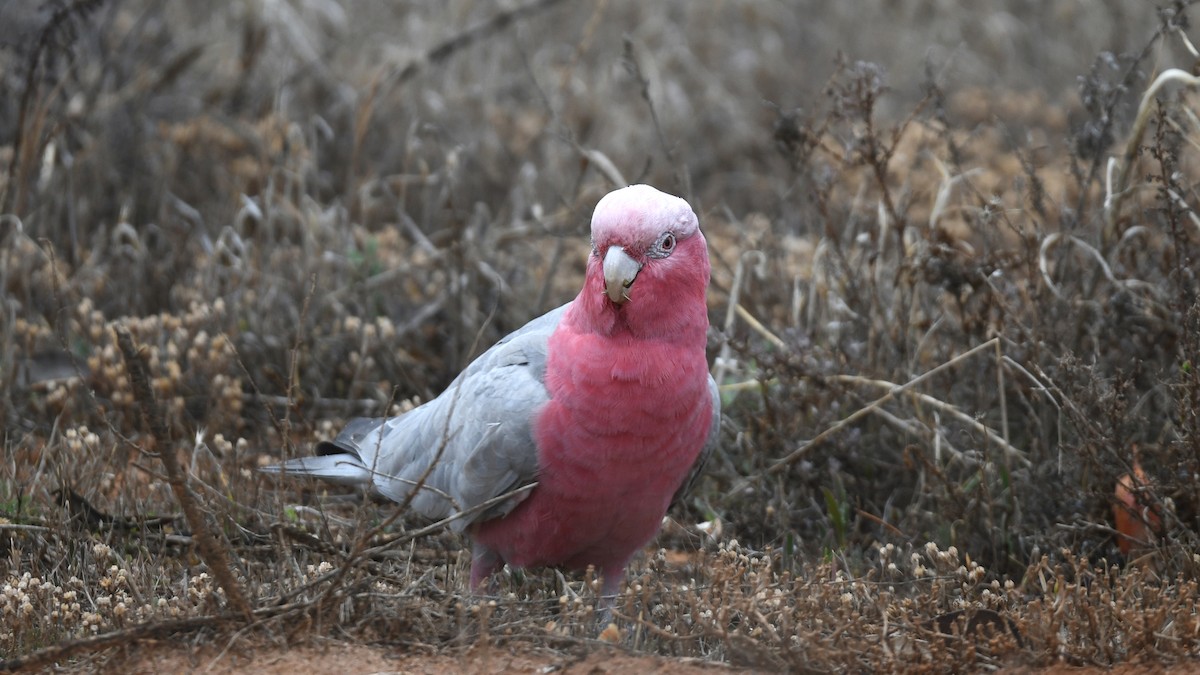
column 605, row 402
column 630, row 408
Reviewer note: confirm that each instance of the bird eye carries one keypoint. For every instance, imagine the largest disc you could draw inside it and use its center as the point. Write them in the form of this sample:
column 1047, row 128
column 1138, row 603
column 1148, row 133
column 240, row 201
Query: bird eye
column 664, row 246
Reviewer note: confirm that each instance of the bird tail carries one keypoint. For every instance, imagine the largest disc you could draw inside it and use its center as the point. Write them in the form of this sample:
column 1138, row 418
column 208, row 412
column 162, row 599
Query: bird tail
column 343, row 468
column 340, row 460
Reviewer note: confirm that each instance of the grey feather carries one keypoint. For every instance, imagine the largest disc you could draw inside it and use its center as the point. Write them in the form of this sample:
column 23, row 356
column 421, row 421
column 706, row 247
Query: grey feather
column 477, row 435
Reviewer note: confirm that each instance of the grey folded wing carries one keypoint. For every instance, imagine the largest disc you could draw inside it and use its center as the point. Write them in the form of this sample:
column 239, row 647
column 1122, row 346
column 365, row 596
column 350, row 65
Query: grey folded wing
column 471, row 444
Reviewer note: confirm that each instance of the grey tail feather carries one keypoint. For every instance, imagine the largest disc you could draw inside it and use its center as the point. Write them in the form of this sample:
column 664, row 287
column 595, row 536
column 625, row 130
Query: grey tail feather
column 343, row 468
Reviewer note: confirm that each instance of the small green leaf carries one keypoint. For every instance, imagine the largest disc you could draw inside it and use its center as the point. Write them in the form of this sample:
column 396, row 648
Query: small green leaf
column 837, row 515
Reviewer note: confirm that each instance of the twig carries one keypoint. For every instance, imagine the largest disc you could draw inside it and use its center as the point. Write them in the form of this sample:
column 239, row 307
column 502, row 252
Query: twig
column 918, row 429
column 883, row 523
column 1000, row 391
column 150, row 629
column 759, row 328
column 214, row 555
column 747, row 385
column 635, row 68
column 1117, row 191
column 293, row 379
column 448, row 47
column 16, row 179
column 603, row 164
column 721, row 367
column 1054, row 239
column 1108, row 119
column 434, row 527
column 23, row 528
column 359, row 551
column 953, row 411
column 862, row 412
column 356, row 404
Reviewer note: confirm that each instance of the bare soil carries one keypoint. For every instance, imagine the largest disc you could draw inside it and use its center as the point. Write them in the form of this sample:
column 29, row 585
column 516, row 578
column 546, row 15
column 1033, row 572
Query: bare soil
column 340, row 658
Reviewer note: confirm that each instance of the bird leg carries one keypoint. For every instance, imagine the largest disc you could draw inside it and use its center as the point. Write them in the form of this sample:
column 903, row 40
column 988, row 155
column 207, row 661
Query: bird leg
column 484, row 563
column 609, row 589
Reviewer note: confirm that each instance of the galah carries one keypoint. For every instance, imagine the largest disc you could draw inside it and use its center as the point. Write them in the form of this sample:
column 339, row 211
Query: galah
column 603, row 409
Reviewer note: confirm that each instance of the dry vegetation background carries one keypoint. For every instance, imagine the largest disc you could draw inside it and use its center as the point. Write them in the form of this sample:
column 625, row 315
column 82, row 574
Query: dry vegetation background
column 306, row 210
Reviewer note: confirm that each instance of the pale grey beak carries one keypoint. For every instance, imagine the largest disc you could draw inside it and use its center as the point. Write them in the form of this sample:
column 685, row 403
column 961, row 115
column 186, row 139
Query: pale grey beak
column 620, row 271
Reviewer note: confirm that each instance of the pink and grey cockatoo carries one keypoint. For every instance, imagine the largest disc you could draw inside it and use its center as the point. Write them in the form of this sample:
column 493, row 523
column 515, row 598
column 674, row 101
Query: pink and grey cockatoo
column 604, row 405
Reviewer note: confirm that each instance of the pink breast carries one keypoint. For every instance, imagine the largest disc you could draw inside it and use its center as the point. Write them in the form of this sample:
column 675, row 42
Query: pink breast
column 619, row 436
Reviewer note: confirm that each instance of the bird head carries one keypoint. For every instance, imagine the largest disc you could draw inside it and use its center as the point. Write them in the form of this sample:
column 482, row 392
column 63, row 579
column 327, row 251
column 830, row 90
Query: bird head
column 649, row 267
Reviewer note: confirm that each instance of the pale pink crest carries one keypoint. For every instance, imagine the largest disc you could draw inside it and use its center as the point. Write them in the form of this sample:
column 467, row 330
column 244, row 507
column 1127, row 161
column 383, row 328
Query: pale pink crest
column 637, row 215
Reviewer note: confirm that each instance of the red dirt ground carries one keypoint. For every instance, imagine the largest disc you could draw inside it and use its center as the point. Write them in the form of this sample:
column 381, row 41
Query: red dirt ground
column 337, row 658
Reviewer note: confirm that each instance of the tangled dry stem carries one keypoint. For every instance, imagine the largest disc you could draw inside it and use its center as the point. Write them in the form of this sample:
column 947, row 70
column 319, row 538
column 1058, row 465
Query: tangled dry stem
column 288, row 252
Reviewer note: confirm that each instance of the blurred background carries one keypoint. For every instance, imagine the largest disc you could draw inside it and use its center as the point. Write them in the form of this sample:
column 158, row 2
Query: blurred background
column 309, row 210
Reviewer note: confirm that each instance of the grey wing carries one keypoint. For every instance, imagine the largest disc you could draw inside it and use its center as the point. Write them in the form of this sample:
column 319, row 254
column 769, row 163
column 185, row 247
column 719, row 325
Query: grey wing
column 714, row 434
column 469, row 445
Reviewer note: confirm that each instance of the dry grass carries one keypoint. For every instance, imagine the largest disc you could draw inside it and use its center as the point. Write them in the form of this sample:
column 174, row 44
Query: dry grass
column 953, row 301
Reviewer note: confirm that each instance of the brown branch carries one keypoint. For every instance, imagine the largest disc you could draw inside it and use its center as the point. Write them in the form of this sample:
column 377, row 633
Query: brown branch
column 211, row 551
column 862, row 412
column 143, row 631
column 446, row 48
column 62, row 651
column 635, row 68
column 20, row 154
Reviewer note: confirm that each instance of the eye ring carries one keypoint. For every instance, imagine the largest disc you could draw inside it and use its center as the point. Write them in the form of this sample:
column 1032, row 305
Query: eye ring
column 664, row 246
